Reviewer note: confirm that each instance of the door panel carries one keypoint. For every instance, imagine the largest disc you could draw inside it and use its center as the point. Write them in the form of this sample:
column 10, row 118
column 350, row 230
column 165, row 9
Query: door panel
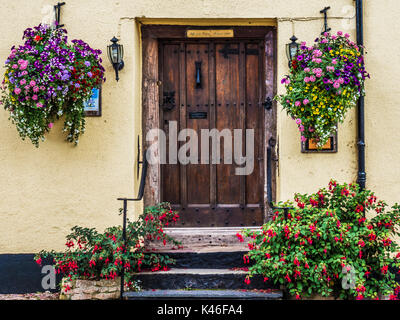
column 217, row 84
column 197, row 99
column 170, row 174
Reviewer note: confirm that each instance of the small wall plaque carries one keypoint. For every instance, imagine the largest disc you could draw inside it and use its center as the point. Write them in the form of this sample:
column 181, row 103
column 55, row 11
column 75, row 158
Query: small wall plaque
column 218, row 33
column 310, row 146
column 92, row 107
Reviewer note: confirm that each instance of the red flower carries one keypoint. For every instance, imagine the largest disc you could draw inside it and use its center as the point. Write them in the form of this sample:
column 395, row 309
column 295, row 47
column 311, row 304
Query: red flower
column 240, row 237
column 38, row 38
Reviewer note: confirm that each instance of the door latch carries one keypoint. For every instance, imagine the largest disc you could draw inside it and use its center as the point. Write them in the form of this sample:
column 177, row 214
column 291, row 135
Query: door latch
column 168, row 100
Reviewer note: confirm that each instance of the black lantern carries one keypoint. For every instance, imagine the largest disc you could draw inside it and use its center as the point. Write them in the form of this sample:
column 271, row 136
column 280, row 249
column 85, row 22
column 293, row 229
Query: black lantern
column 116, row 54
column 292, row 49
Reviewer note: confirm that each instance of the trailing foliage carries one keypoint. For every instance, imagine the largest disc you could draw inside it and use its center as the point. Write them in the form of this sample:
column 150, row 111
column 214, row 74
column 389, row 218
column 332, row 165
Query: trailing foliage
column 325, row 81
column 46, row 78
column 94, row 255
column 338, row 241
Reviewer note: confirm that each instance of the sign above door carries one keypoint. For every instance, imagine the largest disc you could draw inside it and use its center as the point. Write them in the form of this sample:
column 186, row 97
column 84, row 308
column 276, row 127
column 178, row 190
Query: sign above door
column 217, row 33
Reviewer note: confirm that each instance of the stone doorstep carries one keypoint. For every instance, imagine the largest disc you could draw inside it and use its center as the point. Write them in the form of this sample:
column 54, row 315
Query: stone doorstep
column 208, row 260
column 203, row 240
column 203, row 294
column 179, row 278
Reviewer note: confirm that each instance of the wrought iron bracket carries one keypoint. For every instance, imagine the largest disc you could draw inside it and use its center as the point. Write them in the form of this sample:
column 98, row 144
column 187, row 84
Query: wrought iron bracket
column 139, row 162
column 57, row 10
column 324, row 11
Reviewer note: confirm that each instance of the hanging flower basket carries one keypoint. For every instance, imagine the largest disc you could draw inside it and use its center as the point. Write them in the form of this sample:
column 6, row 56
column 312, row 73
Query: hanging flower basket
column 325, row 81
column 47, row 78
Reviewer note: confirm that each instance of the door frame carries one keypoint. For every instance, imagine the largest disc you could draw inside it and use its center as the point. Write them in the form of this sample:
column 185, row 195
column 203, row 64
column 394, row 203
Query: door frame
column 150, row 36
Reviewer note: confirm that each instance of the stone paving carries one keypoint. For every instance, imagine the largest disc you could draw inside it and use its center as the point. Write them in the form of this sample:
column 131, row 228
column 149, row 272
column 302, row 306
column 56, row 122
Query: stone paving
column 31, row 296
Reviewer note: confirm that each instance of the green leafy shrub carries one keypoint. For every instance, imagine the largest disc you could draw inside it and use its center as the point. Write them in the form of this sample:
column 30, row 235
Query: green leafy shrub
column 94, row 255
column 338, row 241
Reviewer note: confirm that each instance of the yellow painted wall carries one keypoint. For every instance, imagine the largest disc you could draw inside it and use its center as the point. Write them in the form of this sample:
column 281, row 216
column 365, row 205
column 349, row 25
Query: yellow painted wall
column 46, row 191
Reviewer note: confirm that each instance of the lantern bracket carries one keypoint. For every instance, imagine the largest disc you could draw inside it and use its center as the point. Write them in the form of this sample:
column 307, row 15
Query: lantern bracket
column 57, row 11
column 324, row 11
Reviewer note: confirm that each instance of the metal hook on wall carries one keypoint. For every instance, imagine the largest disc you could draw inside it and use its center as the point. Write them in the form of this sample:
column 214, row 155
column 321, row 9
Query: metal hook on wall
column 324, row 11
column 57, row 11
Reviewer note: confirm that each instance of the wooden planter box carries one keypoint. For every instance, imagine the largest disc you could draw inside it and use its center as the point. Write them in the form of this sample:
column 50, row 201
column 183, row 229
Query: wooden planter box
column 90, row 289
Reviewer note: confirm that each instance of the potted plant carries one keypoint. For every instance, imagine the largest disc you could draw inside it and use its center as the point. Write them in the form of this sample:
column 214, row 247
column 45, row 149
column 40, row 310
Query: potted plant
column 93, row 261
column 325, row 81
column 337, row 242
column 47, row 78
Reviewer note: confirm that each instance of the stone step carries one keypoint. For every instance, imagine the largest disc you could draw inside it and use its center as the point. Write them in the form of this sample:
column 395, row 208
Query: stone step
column 207, row 260
column 199, row 279
column 204, row 294
column 203, row 240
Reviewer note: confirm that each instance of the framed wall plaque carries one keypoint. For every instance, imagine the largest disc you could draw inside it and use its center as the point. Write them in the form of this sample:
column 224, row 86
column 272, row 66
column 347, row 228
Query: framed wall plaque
column 92, row 107
column 310, row 146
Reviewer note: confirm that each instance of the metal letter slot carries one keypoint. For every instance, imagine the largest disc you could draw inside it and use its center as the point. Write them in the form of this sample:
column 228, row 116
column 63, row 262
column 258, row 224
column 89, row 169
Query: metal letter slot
column 197, row 115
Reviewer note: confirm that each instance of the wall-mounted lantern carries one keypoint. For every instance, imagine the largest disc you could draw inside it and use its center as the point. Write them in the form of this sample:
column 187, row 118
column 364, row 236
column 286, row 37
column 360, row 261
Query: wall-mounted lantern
column 116, row 54
column 291, row 49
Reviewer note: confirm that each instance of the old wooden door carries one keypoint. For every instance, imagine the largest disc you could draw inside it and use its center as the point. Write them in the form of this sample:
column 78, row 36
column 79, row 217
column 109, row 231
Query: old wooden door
column 208, row 84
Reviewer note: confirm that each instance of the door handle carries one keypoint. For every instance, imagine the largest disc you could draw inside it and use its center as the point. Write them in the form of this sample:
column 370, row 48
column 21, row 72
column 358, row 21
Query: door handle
column 198, row 74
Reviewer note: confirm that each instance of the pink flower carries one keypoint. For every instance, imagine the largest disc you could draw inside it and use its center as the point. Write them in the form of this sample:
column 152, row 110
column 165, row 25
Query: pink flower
column 306, row 101
column 347, row 35
column 307, row 69
column 317, row 53
column 330, row 68
column 334, row 37
column 301, row 128
column 303, row 139
column 339, row 33
column 298, row 121
column 334, row 61
column 34, row 97
column 336, row 85
column 297, row 104
column 310, row 129
column 35, row 89
column 42, row 87
column 32, row 83
column 17, row 90
column 24, row 65
column 312, row 78
column 306, row 79
column 324, row 41
column 14, row 66
column 50, row 125
column 22, row 82
column 39, row 105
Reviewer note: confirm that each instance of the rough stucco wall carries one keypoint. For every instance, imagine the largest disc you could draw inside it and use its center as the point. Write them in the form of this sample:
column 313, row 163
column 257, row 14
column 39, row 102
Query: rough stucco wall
column 46, row 191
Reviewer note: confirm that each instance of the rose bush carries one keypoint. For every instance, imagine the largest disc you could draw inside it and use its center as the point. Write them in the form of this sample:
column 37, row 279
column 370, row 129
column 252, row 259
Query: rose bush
column 338, row 241
column 94, row 256
column 46, row 78
column 325, row 81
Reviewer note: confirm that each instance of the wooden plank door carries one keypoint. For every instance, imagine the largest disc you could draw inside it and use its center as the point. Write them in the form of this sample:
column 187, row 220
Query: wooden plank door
column 213, row 85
